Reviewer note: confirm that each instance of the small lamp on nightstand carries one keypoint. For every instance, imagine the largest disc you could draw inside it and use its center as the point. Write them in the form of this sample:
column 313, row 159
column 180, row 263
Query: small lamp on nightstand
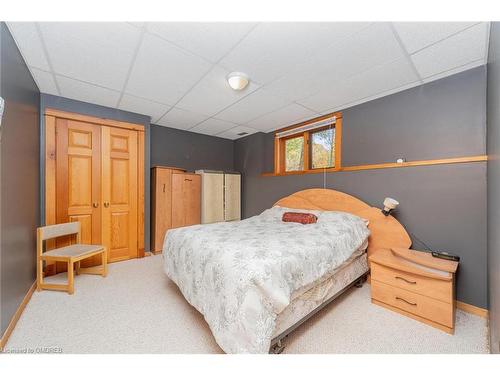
column 389, row 205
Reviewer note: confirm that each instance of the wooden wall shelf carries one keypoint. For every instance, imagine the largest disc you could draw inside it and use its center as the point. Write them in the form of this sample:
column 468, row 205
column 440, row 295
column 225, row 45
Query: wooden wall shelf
column 417, row 163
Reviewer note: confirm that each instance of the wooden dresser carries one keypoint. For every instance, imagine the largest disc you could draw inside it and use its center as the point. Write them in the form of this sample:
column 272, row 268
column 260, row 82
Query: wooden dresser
column 176, row 202
column 415, row 284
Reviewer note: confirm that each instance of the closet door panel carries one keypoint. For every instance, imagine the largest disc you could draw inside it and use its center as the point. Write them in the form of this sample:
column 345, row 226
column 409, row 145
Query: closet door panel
column 78, row 181
column 212, row 199
column 232, row 199
column 120, row 192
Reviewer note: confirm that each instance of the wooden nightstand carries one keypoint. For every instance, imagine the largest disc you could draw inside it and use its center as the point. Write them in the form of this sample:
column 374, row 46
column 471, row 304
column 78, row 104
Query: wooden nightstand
column 415, row 284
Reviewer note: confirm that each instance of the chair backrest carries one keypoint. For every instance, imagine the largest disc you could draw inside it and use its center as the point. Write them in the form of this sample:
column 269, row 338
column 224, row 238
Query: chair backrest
column 57, row 230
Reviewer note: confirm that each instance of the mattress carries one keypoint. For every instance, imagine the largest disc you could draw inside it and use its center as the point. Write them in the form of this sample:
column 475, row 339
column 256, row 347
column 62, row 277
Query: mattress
column 308, row 299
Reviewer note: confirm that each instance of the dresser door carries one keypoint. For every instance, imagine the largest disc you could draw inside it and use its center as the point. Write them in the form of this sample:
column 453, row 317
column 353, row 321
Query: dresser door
column 119, row 192
column 78, row 182
column 161, row 206
column 192, row 199
column 186, row 199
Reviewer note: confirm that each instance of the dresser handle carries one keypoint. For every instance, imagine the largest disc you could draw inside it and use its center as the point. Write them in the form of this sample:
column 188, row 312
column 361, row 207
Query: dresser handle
column 106, row 204
column 409, row 303
column 187, row 179
column 402, row 278
column 95, row 204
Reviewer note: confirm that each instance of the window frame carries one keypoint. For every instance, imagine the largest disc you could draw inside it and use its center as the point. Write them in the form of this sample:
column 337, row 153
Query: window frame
column 280, row 149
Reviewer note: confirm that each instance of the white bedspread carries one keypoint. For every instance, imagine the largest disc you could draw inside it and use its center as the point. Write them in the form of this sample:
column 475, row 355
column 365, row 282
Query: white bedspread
column 241, row 275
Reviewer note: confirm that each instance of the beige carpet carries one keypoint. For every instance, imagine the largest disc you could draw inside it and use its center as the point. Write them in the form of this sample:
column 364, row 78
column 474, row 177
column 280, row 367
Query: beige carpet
column 136, row 309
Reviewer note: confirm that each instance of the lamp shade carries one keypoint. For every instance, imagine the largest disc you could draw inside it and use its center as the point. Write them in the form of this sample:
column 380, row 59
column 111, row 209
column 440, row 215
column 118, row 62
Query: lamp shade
column 390, row 204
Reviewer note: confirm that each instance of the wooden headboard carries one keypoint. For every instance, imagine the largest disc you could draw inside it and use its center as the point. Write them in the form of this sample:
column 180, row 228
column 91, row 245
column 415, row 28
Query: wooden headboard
column 386, row 231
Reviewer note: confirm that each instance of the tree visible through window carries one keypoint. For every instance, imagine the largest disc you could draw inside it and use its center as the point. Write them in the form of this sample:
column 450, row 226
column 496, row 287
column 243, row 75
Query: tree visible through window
column 323, row 149
column 294, row 154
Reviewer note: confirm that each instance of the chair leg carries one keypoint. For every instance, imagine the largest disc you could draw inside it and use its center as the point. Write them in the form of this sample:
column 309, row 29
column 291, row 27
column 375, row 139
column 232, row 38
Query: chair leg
column 39, row 274
column 104, row 258
column 77, row 265
column 71, row 280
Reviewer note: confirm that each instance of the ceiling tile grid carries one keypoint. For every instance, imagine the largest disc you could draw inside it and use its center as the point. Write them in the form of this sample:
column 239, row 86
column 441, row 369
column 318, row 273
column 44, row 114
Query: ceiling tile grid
column 175, row 72
column 212, row 94
column 213, row 126
column 181, row 119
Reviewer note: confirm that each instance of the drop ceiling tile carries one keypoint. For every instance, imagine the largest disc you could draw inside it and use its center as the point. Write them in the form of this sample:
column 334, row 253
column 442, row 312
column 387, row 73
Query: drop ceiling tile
column 212, row 94
column 212, row 126
column 211, row 40
column 94, row 52
column 181, row 119
column 370, row 98
column 86, row 92
column 237, row 132
column 271, row 50
column 370, row 47
column 145, row 107
column 460, row 49
column 418, row 35
column 374, row 81
column 285, row 116
column 163, row 72
column 28, row 40
column 45, row 81
column 457, row 70
column 253, row 106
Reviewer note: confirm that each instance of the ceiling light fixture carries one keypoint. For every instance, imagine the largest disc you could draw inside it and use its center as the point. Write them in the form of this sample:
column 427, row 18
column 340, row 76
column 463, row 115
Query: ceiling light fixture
column 237, row 80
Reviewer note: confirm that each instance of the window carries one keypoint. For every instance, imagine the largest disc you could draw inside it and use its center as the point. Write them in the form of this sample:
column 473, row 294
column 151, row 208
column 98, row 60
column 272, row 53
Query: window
column 309, row 146
column 323, row 148
column 294, row 154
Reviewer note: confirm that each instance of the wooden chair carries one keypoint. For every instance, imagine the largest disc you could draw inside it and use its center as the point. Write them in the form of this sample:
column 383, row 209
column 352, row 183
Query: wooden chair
column 71, row 254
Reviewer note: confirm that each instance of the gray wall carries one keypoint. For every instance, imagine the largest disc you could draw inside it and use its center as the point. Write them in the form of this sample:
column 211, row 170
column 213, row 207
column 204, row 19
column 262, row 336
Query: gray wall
column 19, row 179
column 191, row 151
column 494, row 185
column 70, row 105
column 443, row 205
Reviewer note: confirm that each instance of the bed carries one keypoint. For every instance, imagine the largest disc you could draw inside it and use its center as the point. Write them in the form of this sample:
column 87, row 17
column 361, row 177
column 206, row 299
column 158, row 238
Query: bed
column 258, row 279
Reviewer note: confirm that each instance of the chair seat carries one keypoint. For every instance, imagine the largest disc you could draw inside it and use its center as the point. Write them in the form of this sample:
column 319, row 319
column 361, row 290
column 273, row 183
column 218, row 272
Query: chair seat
column 76, row 250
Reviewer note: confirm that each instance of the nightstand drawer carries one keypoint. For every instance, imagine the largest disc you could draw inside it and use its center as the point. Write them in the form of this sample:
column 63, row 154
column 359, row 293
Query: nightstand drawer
column 417, row 304
column 434, row 288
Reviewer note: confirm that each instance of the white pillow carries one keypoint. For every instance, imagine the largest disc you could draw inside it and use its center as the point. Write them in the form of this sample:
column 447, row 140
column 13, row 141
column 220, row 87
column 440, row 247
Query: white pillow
column 330, row 216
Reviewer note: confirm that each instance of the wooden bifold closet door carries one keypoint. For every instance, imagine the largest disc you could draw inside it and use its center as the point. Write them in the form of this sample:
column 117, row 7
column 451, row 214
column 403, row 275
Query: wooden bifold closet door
column 78, row 181
column 119, row 192
column 94, row 179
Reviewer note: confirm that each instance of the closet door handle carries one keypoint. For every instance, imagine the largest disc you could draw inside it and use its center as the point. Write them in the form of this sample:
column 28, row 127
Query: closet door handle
column 106, row 204
column 95, row 204
column 402, row 278
column 164, row 186
column 409, row 303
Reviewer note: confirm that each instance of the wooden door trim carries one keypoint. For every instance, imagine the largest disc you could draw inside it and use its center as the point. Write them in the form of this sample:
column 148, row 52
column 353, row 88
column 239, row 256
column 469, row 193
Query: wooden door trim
column 93, row 120
column 140, row 195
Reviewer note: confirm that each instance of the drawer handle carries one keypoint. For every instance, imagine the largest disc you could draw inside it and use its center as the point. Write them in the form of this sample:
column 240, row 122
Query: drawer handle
column 409, row 303
column 402, row 278
column 187, row 179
